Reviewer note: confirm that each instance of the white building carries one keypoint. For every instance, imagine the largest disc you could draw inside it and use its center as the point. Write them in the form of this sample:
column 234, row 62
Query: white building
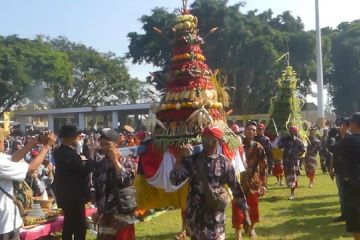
column 83, row 117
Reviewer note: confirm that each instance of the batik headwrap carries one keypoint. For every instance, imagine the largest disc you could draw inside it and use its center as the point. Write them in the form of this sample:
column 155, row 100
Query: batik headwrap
column 213, row 131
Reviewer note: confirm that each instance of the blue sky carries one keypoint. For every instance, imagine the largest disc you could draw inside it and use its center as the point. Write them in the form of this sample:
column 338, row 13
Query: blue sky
column 104, row 24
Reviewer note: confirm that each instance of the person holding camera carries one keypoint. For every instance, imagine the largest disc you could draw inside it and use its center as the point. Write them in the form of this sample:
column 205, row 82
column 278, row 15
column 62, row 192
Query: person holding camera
column 113, row 180
column 14, row 168
column 71, row 183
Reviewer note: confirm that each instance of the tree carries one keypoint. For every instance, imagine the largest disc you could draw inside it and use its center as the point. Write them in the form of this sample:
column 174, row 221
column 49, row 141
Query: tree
column 245, row 48
column 345, row 74
column 27, row 67
column 98, row 78
column 143, row 48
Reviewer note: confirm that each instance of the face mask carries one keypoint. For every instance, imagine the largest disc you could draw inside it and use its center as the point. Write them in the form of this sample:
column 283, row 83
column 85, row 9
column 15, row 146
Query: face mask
column 79, row 147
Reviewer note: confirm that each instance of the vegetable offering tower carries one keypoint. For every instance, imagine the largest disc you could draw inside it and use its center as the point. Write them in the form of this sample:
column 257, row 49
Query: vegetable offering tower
column 191, row 99
column 286, row 105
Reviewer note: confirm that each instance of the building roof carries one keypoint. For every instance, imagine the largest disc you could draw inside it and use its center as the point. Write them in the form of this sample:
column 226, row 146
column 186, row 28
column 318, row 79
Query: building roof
column 125, row 107
column 309, row 106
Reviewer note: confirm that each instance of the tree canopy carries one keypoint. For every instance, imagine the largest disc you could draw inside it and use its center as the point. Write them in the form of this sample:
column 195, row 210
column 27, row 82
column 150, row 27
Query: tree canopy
column 98, row 78
column 60, row 74
column 345, row 74
column 245, row 48
column 27, row 67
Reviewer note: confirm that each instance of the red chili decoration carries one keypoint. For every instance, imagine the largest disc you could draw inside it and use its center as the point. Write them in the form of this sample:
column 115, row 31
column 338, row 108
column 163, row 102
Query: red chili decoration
column 174, row 115
column 189, row 83
column 187, row 49
column 189, row 65
column 215, row 114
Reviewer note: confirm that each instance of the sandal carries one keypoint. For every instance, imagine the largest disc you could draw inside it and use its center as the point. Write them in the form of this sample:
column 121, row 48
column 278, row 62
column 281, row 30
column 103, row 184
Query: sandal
column 252, row 234
column 238, row 236
column 180, row 235
column 291, row 197
column 246, row 227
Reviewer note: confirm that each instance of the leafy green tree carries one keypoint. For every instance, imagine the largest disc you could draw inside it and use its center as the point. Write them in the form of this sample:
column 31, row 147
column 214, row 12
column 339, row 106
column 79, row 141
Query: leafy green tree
column 143, row 48
column 98, row 78
column 27, row 67
column 345, row 73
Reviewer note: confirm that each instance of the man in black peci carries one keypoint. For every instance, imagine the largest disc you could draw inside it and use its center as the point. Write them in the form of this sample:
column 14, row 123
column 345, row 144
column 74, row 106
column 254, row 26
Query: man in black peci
column 71, row 183
column 349, row 148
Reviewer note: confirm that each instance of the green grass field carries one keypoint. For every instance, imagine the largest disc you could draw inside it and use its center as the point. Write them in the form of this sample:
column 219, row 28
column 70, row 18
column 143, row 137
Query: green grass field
column 307, row 217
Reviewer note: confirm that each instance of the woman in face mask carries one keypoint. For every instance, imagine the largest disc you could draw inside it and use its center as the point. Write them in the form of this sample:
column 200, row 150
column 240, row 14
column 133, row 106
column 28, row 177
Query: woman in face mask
column 71, row 183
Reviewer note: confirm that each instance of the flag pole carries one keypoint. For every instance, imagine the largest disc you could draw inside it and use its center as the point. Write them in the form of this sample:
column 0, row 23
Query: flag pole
column 319, row 70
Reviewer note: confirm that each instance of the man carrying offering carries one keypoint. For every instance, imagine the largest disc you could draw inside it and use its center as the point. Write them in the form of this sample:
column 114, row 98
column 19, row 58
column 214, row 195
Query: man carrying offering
column 208, row 173
column 294, row 148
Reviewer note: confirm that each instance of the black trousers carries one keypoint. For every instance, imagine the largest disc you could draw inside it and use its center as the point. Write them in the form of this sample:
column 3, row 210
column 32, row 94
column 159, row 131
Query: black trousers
column 74, row 222
column 352, row 206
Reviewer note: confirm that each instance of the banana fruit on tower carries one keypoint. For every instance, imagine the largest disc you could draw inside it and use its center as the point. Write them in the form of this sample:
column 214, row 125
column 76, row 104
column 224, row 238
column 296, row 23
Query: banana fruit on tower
column 190, row 102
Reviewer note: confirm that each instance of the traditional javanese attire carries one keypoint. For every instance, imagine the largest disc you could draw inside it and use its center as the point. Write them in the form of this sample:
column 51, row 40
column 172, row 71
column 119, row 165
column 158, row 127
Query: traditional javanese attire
column 116, row 220
column 313, row 148
column 325, row 155
column 251, row 181
column 203, row 223
column 294, row 148
column 266, row 144
column 278, row 169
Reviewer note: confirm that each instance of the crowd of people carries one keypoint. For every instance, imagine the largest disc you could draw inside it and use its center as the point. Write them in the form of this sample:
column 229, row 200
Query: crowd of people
column 75, row 168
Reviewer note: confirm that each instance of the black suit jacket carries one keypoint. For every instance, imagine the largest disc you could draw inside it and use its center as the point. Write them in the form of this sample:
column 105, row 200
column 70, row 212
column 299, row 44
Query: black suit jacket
column 71, row 177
